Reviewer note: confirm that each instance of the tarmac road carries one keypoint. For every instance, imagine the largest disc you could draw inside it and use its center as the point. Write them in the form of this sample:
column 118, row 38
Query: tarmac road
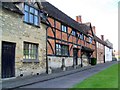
column 70, row 80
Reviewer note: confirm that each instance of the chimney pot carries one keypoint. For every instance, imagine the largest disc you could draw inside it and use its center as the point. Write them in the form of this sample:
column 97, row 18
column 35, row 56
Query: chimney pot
column 102, row 37
column 79, row 19
column 94, row 29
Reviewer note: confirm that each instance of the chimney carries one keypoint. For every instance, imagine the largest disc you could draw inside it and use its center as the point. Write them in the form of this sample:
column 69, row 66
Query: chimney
column 79, row 19
column 94, row 30
column 102, row 37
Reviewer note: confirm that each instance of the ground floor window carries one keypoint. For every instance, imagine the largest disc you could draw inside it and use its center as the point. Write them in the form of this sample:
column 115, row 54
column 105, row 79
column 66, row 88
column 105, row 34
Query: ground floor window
column 62, row 50
column 30, row 51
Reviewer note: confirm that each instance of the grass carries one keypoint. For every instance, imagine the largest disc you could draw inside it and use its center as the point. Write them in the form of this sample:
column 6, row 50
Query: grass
column 107, row 78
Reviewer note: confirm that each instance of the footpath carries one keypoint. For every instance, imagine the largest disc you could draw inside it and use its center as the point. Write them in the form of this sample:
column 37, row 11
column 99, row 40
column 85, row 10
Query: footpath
column 28, row 80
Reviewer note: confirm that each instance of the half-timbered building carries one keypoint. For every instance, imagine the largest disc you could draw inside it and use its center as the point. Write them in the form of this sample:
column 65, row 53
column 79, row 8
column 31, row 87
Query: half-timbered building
column 69, row 42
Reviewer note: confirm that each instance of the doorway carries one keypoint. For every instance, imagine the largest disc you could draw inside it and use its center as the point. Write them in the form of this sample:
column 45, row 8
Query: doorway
column 8, row 59
column 75, row 57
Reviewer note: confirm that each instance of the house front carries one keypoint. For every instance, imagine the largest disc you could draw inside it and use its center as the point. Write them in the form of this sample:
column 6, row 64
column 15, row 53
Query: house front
column 100, row 44
column 108, row 51
column 23, row 41
column 69, row 42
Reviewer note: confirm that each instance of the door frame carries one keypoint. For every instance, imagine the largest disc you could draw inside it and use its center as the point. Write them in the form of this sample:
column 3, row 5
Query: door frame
column 13, row 46
column 75, row 58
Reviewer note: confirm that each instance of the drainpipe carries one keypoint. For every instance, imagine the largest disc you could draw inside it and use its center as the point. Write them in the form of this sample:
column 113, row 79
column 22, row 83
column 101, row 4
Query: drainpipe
column 81, row 58
column 46, row 52
column 104, row 54
column 44, row 17
column 48, row 25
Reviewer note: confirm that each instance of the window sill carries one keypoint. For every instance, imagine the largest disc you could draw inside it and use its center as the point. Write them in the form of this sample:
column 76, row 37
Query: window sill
column 30, row 61
column 62, row 55
column 37, row 26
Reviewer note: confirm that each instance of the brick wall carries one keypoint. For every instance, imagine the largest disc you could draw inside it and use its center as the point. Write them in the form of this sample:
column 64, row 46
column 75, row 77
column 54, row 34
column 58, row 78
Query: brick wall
column 100, row 53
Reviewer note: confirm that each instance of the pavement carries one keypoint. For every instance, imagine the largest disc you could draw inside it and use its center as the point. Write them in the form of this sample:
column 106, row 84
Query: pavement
column 28, row 81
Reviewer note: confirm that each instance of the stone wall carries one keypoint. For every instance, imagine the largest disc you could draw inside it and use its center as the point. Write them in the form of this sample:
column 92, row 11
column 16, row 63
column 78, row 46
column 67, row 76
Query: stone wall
column 56, row 62
column 15, row 30
column 0, row 36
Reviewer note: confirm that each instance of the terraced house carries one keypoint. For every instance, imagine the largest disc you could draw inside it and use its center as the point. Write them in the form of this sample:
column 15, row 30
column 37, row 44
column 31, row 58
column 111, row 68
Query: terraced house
column 69, row 42
column 37, row 37
column 23, row 41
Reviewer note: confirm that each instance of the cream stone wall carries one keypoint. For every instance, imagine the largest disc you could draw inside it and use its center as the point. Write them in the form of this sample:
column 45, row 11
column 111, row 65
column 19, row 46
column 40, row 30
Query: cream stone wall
column 0, row 36
column 56, row 62
column 15, row 30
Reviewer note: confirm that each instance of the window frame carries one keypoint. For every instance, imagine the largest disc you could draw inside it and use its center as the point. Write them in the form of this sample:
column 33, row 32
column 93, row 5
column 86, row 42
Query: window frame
column 90, row 40
column 58, row 49
column 64, row 52
column 64, row 28
column 75, row 33
column 33, row 14
column 81, row 36
column 32, row 47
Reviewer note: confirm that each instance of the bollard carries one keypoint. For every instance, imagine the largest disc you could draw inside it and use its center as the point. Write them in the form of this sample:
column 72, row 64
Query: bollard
column 63, row 64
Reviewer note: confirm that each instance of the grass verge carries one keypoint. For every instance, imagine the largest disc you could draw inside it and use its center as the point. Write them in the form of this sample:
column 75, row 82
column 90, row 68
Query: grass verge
column 107, row 78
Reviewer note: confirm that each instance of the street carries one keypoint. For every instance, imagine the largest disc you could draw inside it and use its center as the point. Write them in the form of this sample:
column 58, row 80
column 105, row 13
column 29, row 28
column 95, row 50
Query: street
column 69, row 80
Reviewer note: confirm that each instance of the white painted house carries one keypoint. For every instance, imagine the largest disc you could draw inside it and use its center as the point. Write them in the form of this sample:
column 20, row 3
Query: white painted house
column 108, row 51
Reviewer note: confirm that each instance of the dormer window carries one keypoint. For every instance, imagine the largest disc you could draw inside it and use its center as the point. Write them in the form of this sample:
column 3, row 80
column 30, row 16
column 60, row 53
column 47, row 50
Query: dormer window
column 31, row 15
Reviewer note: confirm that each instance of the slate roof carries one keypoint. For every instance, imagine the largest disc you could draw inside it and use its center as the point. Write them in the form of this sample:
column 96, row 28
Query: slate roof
column 12, row 7
column 102, row 42
column 59, row 15
column 99, row 40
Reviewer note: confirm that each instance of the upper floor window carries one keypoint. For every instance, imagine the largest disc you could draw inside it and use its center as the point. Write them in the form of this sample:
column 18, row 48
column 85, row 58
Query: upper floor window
column 81, row 36
column 90, row 40
column 74, row 33
column 31, row 15
column 61, row 50
column 64, row 28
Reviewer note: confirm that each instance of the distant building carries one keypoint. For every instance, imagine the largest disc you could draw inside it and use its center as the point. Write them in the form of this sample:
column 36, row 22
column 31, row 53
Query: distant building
column 100, row 44
column 116, row 55
column 108, row 51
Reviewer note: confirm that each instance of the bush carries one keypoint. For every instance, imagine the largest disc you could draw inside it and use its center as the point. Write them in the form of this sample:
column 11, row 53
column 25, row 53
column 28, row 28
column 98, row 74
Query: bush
column 93, row 61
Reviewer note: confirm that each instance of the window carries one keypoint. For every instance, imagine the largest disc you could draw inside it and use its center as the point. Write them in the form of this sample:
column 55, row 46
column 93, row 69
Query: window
column 64, row 28
column 58, row 49
column 73, row 32
column 31, row 15
column 90, row 40
column 30, row 51
column 64, row 50
column 61, row 50
column 81, row 36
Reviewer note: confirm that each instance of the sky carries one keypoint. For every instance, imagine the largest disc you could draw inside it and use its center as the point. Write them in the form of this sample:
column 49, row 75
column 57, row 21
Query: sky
column 103, row 14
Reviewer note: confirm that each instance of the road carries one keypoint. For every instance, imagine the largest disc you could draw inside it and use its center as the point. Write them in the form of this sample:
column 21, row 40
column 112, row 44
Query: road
column 69, row 80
